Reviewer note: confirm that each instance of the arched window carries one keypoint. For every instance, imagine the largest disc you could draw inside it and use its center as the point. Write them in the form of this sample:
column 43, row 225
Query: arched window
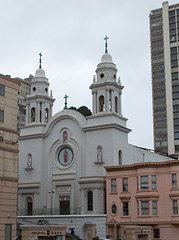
column 33, row 114
column 29, row 206
column 46, row 115
column 90, row 201
column 120, row 157
column 29, row 160
column 101, row 104
column 116, row 104
column 40, row 111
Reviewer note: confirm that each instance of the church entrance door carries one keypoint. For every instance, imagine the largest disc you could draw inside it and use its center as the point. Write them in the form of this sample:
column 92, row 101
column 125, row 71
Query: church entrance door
column 65, row 205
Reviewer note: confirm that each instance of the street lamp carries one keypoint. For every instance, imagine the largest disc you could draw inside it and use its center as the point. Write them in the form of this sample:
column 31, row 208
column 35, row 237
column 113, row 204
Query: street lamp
column 51, row 192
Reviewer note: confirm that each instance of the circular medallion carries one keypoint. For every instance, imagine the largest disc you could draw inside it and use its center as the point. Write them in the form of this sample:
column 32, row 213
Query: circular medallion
column 114, row 209
column 65, row 156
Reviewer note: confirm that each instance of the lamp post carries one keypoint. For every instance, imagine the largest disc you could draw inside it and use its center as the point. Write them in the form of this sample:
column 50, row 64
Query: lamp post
column 51, row 192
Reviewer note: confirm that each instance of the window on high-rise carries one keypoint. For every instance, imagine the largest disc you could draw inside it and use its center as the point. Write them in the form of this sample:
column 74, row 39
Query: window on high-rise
column 113, row 185
column 154, row 182
column 174, row 56
column 174, row 63
column 144, row 207
column 144, row 183
column 154, row 208
column 175, row 206
column 1, row 116
column 156, row 233
column 172, row 25
column 173, row 50
column 172, row 19
column 2, row 90
column 125, row 208
column 171, row 13
column 174, row 180
column 154, row 18
column 125, row 184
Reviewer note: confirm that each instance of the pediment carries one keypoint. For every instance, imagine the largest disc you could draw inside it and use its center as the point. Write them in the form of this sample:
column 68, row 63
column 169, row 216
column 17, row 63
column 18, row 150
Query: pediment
column 113, row 221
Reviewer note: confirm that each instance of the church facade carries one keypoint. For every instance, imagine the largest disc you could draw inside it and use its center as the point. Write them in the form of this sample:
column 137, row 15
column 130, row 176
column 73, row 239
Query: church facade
column 62, row 157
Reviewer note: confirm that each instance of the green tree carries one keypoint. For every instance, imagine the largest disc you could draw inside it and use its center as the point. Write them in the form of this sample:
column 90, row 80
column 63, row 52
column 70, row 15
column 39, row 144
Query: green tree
column 83, row 110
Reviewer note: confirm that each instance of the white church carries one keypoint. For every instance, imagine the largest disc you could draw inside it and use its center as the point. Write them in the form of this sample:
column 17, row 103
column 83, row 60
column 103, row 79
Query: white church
column 62, row 157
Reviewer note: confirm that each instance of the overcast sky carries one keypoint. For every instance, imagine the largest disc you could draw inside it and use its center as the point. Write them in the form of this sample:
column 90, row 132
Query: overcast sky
column 70, row 35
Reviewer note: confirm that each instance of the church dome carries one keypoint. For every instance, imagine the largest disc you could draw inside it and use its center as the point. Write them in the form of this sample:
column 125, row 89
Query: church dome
column 106, row 58
column 40, row 73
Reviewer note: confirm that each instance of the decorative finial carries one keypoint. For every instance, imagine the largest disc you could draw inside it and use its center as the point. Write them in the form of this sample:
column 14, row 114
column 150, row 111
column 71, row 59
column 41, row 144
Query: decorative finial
column 40, row 60
column 106, row 44
column 65, row 107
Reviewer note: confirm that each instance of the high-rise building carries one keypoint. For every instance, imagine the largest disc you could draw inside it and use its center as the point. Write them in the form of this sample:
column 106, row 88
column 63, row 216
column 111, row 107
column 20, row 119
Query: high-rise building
column 164, row 35
column 23, row 92
column 9, row 150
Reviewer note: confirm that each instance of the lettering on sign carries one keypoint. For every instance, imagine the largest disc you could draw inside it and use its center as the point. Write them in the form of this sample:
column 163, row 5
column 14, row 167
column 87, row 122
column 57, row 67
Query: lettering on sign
column 146, row 231
column 137, row 232
column 54, row 233
column 39, row 233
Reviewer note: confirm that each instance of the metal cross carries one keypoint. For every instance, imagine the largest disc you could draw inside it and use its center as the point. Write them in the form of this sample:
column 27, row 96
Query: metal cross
column 65, row 107
column 106, row 44
column 40, row 60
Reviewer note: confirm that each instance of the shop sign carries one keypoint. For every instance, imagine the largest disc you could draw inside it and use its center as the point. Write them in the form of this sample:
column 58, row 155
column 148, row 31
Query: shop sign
column 55, row 233
column 136, row 232
column 146, row 231
column 39, row 233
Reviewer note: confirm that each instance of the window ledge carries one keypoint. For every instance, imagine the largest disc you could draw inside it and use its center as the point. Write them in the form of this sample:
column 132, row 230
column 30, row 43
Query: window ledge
column 143, row 191
column 29, row 168
column 125, row 197
column 99, row 162
column 148, row 216
column 174, row 189
column 144, row 216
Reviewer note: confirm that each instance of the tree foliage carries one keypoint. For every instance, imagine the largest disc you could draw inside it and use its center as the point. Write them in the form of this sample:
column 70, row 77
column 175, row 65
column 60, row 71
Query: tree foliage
column 83, row 110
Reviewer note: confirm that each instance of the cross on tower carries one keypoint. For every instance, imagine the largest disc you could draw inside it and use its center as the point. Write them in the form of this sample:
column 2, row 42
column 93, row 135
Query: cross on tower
column 65, row 107
column 106, row 44
column 40, row 60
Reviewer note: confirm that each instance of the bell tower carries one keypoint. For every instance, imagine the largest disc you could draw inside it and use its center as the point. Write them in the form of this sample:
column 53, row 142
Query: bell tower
column 39, row 103
column 106, row 89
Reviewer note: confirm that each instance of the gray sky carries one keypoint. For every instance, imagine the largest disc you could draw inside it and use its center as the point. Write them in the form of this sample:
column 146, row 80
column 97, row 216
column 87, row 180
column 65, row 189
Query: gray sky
column 70, row 34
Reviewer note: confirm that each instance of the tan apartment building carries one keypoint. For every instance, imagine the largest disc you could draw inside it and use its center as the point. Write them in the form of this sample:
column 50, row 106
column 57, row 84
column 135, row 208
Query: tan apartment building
column 9, row 149
column 23, row 92
column 164, row 37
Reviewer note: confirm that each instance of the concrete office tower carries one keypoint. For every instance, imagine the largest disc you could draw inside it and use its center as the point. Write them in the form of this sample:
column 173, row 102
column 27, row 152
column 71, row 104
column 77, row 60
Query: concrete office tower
column 164, row 28
column 9, row 150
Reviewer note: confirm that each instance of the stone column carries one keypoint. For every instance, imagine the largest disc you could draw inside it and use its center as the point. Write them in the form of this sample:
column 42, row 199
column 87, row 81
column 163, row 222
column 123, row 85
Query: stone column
column 43, row 112
column 94, row 102
column 72, row 199
column 112, row 101
column 107, row 100
column 27, row 113
column 38, row 112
